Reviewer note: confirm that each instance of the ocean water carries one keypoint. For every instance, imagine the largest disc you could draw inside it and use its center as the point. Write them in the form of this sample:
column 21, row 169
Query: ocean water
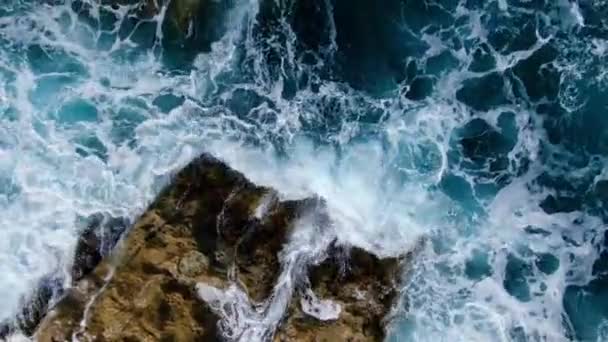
column 475, row 131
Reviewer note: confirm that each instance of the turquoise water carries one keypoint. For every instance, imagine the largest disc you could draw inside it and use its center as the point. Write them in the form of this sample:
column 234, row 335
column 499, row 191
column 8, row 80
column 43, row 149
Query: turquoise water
column 476, row 127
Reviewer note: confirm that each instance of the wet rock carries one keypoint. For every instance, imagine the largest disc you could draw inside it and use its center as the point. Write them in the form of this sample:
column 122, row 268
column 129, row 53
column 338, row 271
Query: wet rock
column 145, row 289
column 354, row 291
column 34, row 309
column 184, row 12
column 212, row 227
column 96, row 241
column 189, row 27
column 99, row 236
column 193, row 264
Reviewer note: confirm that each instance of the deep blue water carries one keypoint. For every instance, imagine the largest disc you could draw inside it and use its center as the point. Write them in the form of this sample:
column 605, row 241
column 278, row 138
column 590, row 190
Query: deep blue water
column 480, row 127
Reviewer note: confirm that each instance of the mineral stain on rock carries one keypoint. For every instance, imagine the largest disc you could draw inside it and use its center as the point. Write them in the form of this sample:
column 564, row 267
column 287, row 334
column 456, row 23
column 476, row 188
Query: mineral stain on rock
column 212, row 226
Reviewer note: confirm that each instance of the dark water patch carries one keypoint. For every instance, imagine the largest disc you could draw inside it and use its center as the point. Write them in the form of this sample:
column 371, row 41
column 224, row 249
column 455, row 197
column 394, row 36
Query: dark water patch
column 420, row 88
column 482, row 152
column 91, row 146
column 441, row 63
column 560, row 204
column 44, row 60
column 480, row 141
column 586, row 307
column 483, row 93
column 312, row 21
column 276, row 53
column 373, row 44
column 168, row 102
column 595, row 14
column 77, row 111
column 537, row 231
column 599, row 198
column 510, row 33
column 243, row 101
column 547, row 263
column 106, row 41
column 139, row 31
column 429, row 17
column 50, row 86
column 478, row 266
column 483, row 59
column 539, row 77
column 459, row 189
column 126, row 118
column 517, row 272
column 9, row 189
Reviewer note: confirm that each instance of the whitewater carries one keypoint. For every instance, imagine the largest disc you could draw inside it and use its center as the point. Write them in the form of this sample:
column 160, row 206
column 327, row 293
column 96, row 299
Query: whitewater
column 474, row 129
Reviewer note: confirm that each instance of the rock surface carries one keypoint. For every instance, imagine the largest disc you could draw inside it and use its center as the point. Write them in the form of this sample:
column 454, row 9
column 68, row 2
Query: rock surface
column 214, row 227
column 363, row 288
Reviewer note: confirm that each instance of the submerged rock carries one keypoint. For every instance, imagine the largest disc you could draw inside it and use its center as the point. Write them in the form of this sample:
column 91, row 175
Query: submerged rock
column 188, row 27
column 213, row 229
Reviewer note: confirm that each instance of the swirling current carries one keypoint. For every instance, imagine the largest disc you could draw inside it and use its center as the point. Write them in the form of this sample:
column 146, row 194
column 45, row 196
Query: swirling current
column 480, row 126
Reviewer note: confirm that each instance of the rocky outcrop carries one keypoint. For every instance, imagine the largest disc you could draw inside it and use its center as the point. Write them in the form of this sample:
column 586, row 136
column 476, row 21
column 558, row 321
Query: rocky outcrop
column 211, row 226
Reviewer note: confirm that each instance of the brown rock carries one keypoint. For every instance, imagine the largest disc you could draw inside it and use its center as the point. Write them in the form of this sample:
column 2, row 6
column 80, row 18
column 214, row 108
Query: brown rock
column 360, row 284
column 184, row 13
column 193, row 264
column 198, row 228
column 208, row 227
